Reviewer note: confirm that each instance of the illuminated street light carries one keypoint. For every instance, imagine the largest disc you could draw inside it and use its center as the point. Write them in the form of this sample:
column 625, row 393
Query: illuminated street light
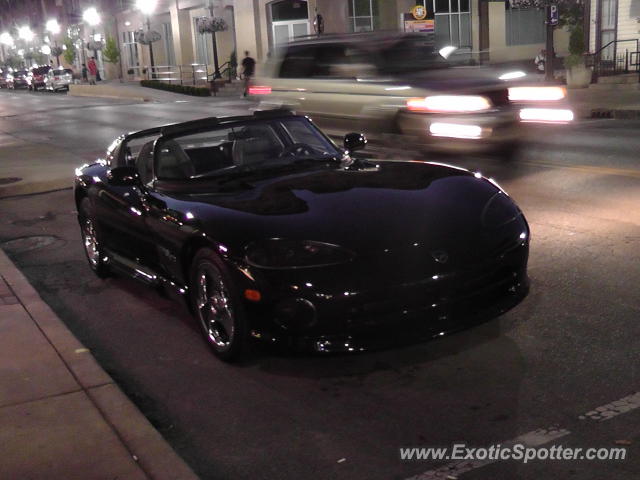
column 53, row 26
column 6, row 39
column 25, row 33
column 91, row 16
column 46, row 49
column 146, row 6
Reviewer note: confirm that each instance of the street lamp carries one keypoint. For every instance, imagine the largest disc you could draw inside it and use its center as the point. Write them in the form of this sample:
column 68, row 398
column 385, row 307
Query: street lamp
column 147, row 7
column 6, row 39
column 25, row 33
column 216, row 68
column 92, row 18
column 53, row 27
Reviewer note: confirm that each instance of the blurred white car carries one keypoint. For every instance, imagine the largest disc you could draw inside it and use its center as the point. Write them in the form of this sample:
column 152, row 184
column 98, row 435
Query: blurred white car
column 399, row 86
column 58, row 79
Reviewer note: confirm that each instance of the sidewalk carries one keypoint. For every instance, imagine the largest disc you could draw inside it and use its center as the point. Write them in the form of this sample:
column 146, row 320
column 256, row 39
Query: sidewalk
column 135, row 92
column 62, row 416
column 597, row 103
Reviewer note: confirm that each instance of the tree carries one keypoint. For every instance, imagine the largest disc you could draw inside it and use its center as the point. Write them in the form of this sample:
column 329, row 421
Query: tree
column 111, row 52
column 70, row 52
column 14, row 61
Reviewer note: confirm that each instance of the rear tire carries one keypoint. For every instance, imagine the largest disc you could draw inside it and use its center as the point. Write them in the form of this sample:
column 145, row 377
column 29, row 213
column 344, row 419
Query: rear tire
column 218, row 306
column 93, row 248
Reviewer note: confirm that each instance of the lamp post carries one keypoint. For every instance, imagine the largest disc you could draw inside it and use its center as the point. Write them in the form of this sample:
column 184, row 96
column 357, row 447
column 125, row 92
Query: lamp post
column 53, row 27
column 216, row 73
column 147, row 7
column 92, row 18
column 25, row 33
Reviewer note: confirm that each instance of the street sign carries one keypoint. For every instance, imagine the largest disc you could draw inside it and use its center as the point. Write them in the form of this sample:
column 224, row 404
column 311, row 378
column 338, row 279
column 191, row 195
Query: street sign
column 553, row 14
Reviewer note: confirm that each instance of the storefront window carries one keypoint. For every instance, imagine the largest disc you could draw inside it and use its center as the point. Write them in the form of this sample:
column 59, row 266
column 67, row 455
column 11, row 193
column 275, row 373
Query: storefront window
column 363, row 15
column 524, row 26
column 167, row 37
column 453, row 22
column 130, row 49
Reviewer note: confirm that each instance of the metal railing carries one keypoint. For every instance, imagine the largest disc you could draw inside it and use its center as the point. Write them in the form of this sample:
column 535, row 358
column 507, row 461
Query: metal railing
column 196, row 74
column 611, row 60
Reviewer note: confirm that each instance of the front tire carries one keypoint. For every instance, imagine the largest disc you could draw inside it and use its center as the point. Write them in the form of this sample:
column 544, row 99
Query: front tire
column 218, row 307
column 93, row 248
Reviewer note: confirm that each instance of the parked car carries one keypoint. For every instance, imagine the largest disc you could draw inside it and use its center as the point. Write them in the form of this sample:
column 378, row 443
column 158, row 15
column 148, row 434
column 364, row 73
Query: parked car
column 270, row 230
column 4, row 83
column 390, row 84
column 39, row 77
column 19, row 79
column 58, row 79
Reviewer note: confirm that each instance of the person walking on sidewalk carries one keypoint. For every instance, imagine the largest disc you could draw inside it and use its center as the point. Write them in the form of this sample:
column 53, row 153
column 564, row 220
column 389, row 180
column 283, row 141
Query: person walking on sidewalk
column 93, row 71
column 85, row 73
column 248, row 69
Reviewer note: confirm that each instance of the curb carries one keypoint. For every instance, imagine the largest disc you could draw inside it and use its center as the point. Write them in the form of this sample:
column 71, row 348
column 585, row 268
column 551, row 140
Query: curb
column 149, row 449
column 620, row 114
column 119, row 97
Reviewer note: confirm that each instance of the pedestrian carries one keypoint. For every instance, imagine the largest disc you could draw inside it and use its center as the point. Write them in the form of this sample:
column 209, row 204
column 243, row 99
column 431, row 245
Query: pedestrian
column 248, row 70
column 85, row 73
column 540, row 60
column 93, row 71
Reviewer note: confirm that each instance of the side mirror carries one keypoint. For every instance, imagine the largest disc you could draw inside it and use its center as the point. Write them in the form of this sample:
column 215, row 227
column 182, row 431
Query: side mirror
column 354, row 141
column 123, row 176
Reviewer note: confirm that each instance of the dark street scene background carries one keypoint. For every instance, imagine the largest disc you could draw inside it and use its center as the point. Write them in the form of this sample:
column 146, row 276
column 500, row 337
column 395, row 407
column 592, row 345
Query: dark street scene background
column 107, row 378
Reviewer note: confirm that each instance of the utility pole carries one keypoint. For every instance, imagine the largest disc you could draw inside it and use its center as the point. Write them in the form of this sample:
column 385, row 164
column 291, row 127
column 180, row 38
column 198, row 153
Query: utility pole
column 551, row 15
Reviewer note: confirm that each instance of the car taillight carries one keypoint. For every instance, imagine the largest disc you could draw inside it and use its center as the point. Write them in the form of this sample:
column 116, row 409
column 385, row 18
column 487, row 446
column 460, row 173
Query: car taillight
column 56, row 78
column 536, row 94
column 259, row 90
column 449, row 104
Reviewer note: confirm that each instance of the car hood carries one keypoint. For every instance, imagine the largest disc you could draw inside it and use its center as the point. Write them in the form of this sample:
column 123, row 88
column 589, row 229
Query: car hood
column 399, row 207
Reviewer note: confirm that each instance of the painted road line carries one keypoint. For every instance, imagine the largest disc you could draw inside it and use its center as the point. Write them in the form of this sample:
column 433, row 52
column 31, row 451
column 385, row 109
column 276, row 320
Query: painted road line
column 613, row 409
column 453, row 470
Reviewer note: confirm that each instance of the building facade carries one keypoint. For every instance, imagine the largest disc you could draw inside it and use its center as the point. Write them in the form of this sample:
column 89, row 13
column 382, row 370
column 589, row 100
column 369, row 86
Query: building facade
column 493, row 30
column 614, row 27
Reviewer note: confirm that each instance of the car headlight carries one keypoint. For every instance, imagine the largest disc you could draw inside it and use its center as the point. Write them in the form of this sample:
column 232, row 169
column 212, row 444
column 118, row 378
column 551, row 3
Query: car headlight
column 536, row 94
column 281, row 253
column 449, row 104
column 499, row 211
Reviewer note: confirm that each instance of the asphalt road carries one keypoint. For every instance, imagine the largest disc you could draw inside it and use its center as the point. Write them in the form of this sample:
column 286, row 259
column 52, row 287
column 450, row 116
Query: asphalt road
column 570, row 347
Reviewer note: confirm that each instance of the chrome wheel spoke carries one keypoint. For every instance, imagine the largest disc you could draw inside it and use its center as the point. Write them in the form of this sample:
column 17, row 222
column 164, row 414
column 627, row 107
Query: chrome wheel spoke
column 214, row 307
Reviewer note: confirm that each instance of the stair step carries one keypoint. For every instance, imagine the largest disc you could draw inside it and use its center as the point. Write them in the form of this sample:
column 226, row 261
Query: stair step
column 619, row 79
column 615, row 86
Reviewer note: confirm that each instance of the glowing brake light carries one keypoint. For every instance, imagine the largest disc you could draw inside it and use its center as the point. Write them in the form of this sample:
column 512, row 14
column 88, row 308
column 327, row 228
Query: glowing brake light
column 449, row 104
column 259, row 90
column 536, row 94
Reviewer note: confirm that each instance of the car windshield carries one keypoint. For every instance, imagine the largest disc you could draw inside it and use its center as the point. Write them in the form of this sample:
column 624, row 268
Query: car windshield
column 253, row 146
column 61, row 72
column 20, row 73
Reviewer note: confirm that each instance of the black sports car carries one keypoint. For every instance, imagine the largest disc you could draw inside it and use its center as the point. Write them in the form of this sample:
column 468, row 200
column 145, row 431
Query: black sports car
column 270, row 230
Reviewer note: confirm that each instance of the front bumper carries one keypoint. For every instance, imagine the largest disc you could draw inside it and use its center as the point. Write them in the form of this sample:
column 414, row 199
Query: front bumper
column 318, row 312
column 462, row 132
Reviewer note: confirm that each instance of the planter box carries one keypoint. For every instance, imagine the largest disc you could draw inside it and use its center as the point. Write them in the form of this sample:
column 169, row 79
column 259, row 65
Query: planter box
column 578, row 76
